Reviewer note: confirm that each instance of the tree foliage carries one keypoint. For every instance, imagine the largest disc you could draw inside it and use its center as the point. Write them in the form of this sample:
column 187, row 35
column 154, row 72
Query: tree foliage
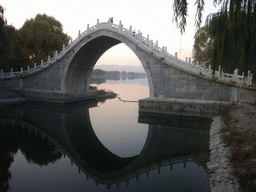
column 36, row 40
column 233, row 30
column 180, row 8
column 6, row 32
column 98, row 72
column 202, row 47
column 231, row 33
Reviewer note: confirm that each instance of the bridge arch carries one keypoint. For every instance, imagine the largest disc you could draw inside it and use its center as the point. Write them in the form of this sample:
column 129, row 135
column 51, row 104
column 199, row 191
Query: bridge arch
column 65, row 77
column 77, row 72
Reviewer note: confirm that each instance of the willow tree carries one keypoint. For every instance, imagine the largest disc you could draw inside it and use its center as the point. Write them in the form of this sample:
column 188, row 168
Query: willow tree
column 36, row 40
column 232, row 31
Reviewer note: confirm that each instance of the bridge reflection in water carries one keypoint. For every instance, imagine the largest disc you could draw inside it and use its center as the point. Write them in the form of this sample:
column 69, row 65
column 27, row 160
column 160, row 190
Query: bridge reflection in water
column 170, row 140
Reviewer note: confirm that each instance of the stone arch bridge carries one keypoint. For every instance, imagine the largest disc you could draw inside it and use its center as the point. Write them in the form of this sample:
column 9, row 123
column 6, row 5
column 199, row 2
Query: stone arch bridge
column 66, row 77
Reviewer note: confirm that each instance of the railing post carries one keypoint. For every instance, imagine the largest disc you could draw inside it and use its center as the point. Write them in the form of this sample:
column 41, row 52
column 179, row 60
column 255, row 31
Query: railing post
column 235, row 77
column 148, row 38
column 21, row 69
column 42, row 63
column 28, row 68
column 140, row 36
column 98, row 23
column 109, row 24
column 197, row 63
column 251, row 79
column 151, row 46
column 49, row 59
column 204, row 67
column 120, row 26
column 12, row 74
column 186, row 60
column 88, row 29
column 79, row 33
column 156, row 44
column 163, row 52
column 130, row 31
column 34, row 66
column 71, row 42
column 63, row 48
column 220, row 75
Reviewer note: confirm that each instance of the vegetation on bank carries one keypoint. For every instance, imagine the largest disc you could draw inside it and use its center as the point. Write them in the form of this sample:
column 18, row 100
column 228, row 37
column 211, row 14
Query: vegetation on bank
column 116, row 75
column 37, row 39
column 228, row 38
column 243, row 149
column 101, row 91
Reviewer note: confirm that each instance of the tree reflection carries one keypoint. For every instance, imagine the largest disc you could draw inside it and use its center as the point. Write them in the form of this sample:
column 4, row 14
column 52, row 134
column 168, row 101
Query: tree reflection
column 6, row 158
column 35, row 148
column 38, row 150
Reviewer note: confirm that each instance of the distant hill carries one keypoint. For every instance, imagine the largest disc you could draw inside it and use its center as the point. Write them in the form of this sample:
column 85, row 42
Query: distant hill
column 127, row 68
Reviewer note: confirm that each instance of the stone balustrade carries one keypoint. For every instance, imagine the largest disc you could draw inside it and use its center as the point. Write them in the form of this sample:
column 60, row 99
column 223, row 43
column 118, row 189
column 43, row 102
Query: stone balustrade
column 144, row 43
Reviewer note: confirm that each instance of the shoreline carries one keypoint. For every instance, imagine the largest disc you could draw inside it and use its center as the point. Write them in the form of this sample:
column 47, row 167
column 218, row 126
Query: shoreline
column 226, row 168
column 220, row 169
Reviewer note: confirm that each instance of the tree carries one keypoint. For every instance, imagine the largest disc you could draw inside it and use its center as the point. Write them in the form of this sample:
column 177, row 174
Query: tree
column 98, row 72
column 232, row 31
column 8, row 32
column 202, row 47
column 36, row 40
column 5, row 37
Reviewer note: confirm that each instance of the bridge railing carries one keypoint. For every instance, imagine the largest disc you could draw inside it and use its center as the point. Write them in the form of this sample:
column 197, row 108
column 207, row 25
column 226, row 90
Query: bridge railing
column 144, row 43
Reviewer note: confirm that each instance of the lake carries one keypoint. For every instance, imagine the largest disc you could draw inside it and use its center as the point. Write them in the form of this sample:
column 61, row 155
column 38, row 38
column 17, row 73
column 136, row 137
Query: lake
column 104, row 146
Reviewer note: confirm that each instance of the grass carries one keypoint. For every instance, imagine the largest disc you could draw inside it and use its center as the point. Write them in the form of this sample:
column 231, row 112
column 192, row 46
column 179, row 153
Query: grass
column 243, row 151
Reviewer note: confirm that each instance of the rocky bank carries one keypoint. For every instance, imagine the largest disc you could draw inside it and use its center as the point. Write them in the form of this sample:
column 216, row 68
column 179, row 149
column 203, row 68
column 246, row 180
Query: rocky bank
column 220, row 169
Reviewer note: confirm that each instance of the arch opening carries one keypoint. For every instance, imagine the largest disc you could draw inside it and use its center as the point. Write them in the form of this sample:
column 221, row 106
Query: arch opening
column 80, row 67
column 83, row 62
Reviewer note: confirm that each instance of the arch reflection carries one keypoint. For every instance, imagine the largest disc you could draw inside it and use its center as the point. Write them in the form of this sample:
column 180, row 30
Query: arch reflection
column 171, row 140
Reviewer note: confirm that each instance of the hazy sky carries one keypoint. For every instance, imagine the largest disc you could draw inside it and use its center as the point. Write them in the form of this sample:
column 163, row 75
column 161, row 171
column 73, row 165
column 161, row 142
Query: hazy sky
column 150, row 17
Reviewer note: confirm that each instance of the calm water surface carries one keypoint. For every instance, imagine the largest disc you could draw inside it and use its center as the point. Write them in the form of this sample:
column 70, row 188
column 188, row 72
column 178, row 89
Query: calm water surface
column 103, row 146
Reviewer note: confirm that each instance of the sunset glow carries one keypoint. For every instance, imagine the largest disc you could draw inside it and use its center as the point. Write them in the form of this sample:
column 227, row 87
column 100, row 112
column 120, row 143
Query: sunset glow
column 153, row 18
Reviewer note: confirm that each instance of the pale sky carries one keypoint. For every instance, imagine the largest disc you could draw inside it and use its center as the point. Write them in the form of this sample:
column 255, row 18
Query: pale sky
column 150, row 17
